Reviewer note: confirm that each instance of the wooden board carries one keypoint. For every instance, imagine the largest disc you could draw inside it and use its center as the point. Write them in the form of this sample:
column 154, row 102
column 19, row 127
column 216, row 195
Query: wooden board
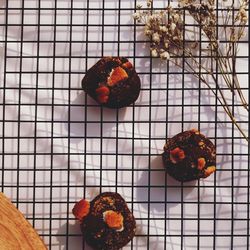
column 16, row 233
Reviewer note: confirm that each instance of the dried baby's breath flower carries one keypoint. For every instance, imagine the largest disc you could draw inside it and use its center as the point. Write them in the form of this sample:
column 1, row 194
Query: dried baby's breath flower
column 138, row 6
column 156, row 37
column 149, row 3
column 154, row 53
column 242, row 15
column 148, row 31
column 137, row 16
column 176, row 17
column 165, row 55
column 165, row 30
column 166, row 45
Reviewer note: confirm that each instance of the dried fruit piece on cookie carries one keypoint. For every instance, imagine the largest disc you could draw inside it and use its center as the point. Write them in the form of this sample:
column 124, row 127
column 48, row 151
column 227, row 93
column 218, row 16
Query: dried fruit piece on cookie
column 107, row 223
column 112, row 82
column 189, row 156
column 81, row 209
column 117, row 75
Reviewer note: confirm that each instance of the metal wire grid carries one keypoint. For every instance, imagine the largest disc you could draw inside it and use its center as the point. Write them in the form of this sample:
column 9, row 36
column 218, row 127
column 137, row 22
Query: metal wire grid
column 58, row 145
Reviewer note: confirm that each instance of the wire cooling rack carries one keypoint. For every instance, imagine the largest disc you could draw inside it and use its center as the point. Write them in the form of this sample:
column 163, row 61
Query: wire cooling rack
column 57, row 145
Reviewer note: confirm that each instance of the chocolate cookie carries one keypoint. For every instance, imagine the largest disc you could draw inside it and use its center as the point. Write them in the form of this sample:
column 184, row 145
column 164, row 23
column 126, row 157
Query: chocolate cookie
column 112, row 82
column 106, row 221
column 189, row 156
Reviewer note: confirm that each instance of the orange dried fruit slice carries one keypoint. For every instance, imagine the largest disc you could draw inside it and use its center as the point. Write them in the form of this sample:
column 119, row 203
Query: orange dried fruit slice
column 81, row 209
column 209, row 170
column 113, row 219
column 118, row 74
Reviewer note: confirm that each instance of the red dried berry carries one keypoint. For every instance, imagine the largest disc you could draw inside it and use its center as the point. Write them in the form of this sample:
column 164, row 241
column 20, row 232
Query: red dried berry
column 102, row 98
column 102, row 94
column 103, row 90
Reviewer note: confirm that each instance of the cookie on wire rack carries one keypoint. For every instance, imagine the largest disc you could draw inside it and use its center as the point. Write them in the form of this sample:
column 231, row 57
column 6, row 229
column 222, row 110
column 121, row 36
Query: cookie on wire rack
column 112, row 82
column 189, row 156
column 106, row 221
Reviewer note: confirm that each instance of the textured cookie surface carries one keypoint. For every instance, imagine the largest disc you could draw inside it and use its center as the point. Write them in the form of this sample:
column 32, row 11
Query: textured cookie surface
column 101, row 228
column 189, row 156
column 112, row 82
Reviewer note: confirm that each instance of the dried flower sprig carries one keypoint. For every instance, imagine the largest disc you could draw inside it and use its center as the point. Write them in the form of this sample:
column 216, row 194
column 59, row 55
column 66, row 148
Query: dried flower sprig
column 166, row 30
column 204, row 14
